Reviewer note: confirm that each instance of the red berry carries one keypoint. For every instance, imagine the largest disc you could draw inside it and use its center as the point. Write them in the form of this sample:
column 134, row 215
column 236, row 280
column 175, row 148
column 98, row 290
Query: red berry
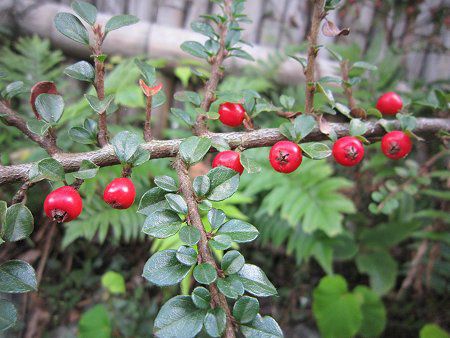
column 285, row 156
column 389, row 103
column 63, row 204
column 230, row 159
column 348, row 151
column 396, row 145
column 231, row 114
column 120, row 193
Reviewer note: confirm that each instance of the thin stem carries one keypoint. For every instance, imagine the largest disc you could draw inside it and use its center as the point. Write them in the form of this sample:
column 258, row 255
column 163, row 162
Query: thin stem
column 426, row 128
column 100, row 83
column 205, row 256
column 318, row 15
column 216, row 71
column 347, row 89
column 148, row 115
column 21, row 194
column 11, row 118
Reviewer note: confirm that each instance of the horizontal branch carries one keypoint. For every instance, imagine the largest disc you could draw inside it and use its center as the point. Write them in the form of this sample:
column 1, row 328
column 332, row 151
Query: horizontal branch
column 426, row 127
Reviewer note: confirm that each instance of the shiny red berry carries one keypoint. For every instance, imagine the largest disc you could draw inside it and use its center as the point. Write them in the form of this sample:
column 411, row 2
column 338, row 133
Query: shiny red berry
column 63, row 204
column 231, row 114
column 348, row 151
column 285, row 156
column 396, row 145
column 230, row 159
column 120, row 193
column 389, row 103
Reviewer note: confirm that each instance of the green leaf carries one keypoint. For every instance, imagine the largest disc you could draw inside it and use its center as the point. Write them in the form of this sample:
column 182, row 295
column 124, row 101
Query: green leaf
column 327, row 93
column 183, row 115
column 3, row 207
column 230, row 286
column 81, row 135
column 337, row 312
column 8, row 315
column 357, row 127
column 245, row 309
column 70, row 26
column 343, row 109
column 300, row 60
column 232, row 262
column 205, row 273
column 164, row 269
column 49, row 169
column 98, row 105
column 287, row 130
column 203, row 28
column 39, row 127
column 18, row 223
column 262, row 327
column 119, row 21
column 374, row 112
column 303, row 125
column 201, row 297
column 193, row 149
column 186, row 255
column 216, row 218
column 162, row 224
column 255, row 281
column 287, row 101
column 316, row 150
column 50, row 107
column 86, row 11
column 407, row 122
column 82, row 71
column 179, row 317
column 201, row 185
column 87, row 170
column 153, row 200
column 189, row 235
column 147, row 71
column 224, row 183
column 113, row 282
column 221, row 242
column 239, row 231
column 249, row 164
column 433, row 331
column 177, row 203
column 95, row 323
column 364, row 65
column 17, row 277
column 373, row 312
column 381, row 268
column 242, row 54
column 166, row 183
column 215, row 322
column 125, row 145
column 195, row 49
column 336, row 55
column 187, row 96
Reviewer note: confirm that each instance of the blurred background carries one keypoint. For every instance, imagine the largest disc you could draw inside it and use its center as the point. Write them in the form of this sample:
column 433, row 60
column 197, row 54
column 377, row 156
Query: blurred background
column 393, row 217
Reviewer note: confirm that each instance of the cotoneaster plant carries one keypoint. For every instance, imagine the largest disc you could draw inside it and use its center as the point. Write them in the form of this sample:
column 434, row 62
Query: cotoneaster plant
column 396, row 145
column 223, row 300
column 389, row 103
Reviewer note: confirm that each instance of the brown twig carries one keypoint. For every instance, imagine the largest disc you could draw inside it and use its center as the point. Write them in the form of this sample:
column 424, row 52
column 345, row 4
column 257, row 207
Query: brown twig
column 205, row 256
column 21, row 194
column 318, row 15
column 216, row 71
column 426, row 128
column 100, row 82
column 148, row 115
column 11, row 118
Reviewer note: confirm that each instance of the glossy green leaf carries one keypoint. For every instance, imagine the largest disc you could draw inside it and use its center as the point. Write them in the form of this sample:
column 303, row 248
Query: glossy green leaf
column 364, row 65
column 19, row 223
column 255, row 281
column 39, row 127
column 70, row 26
column 239, row 231
column 316, row 150
column 201, row 185
column 205, row 273
column 357, row 127
column 13, row 89
column 153, row 200
column 81, row 70
column 86, row 11
column 183, row 116
column 179, row 317
column 220, row 242
column 81, row 135
column 189, row 235
column 125, row 145
column 98, row 105
column 232, row 262
column 215, row 322
column 195, row 49
column 262, row 327
column 8, row 315
column 245, row 309
column 201, row 297
column 166, row 183
column 224, row 183
column 250, row 165
column 186, row 255
column 17, row 277
column 193, row 149
column 164, row 269
column 230, row 286
column 188, row 96
column 287, row 101
column 87, row 170
column 304, row 125
column 162, row 224
column 119, row 21
column 177, row 203
column 49, row 169
column 203, row 28
column 50, row 107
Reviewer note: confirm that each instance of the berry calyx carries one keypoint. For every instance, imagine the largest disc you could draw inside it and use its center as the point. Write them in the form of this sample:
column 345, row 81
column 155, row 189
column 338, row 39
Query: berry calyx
column 348, row 151
column 396, row 144
column 231, row 114
column 63, row 204
column 389, row 103
column 285, row 156
column 230, row 159
column 120, row 193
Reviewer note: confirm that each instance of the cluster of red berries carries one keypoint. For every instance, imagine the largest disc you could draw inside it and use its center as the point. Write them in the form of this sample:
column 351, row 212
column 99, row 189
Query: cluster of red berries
column 64, row 204
column 286, row 156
